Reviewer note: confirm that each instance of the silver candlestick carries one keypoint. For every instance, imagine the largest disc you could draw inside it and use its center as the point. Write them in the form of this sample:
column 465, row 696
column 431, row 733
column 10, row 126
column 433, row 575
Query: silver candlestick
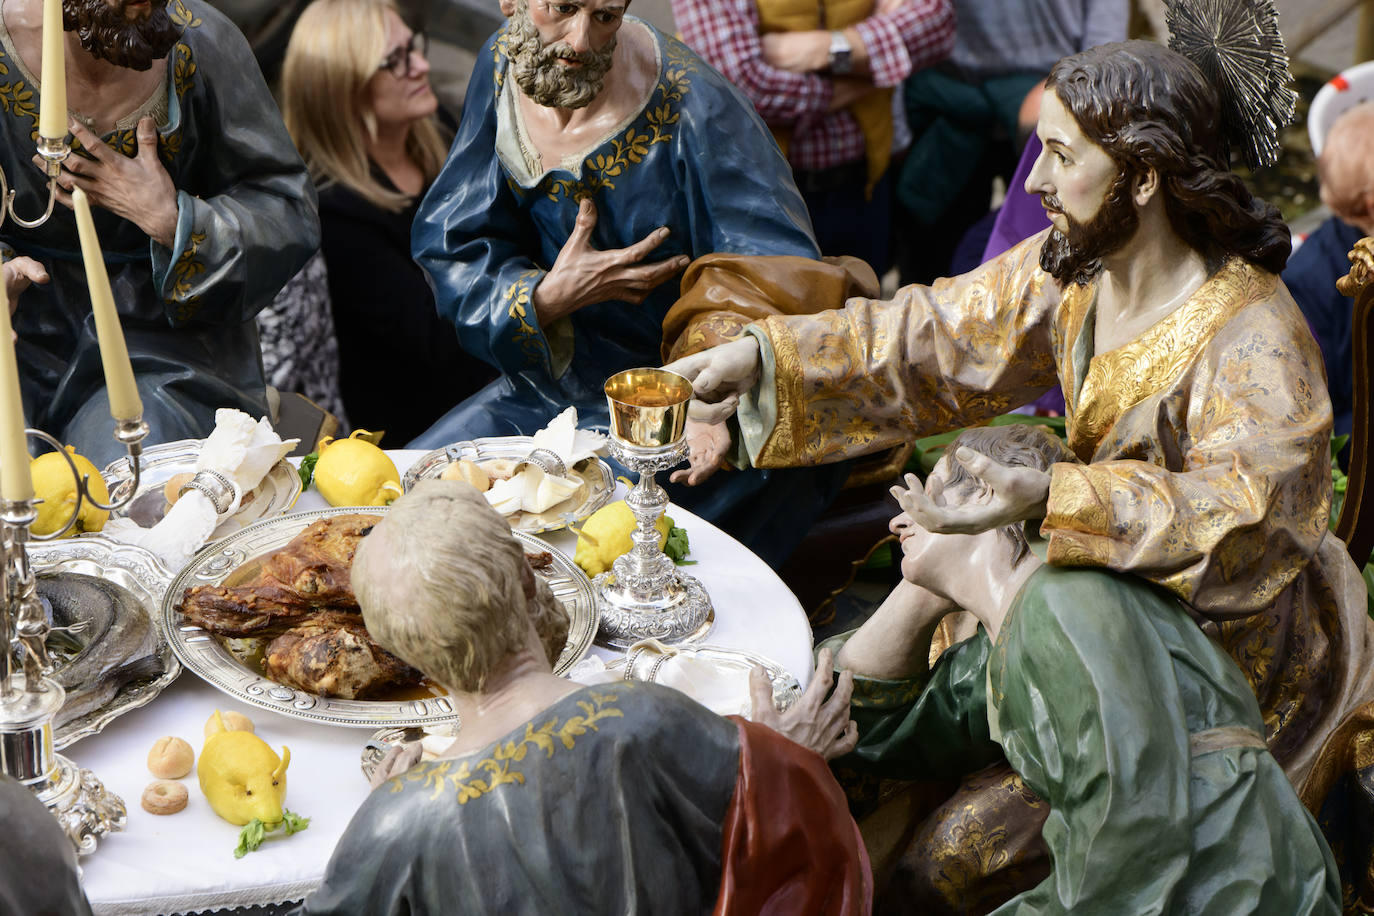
column 29, row 698
column 645, row 595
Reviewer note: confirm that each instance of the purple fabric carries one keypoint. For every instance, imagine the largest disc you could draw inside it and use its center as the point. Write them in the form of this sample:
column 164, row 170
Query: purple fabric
column 1021, row 215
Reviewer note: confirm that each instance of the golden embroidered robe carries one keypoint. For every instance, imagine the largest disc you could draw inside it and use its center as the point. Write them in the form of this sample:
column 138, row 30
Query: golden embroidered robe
column 1206, row 442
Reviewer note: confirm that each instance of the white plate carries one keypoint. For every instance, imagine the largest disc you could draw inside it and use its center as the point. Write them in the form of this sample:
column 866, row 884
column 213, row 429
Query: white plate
column 159, row 463
column 596, row 476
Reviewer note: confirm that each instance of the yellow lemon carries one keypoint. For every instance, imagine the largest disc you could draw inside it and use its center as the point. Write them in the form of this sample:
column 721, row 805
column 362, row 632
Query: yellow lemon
column 354, row 472
column 606, row 534
column 243, row 778
column 53, row 483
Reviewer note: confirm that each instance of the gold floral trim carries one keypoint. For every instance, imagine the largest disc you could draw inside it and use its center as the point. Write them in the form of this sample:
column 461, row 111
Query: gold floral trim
column 518, row 304
column 461, row 775
column 784, row 444
column 598, row 171
column 186, row 268
column 1122, row 378
column 16, row 98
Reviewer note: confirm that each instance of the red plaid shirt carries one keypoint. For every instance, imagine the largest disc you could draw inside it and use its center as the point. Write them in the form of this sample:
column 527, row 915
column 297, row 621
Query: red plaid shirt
column 726, row 34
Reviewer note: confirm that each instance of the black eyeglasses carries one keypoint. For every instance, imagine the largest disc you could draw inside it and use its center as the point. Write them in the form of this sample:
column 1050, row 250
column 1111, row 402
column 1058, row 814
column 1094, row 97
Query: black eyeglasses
column 401, row 60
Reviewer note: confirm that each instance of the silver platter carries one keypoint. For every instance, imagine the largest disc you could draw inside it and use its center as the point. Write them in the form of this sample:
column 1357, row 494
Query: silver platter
column 276, row 494
column 786, row 691
column 202, row 653
column 138, row 572
column 595, row 474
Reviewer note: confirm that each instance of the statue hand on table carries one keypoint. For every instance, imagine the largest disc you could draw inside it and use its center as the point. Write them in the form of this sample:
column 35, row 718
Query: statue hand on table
column 707, row 445
column 719, row 376
column 136, row 187
column 581, row 275
column 816, row 721
column 1011, row 494
column 398, row 759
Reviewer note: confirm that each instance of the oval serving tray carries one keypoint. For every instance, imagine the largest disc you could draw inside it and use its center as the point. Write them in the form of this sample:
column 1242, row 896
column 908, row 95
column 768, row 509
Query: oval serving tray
column 274, row 495
column 137, row 572
column 593, row 472
column 202, row 653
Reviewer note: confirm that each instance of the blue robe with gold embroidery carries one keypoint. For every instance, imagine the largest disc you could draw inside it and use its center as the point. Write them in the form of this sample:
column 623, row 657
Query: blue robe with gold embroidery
column 624, row 798
column 246, row 223
column 697, row 159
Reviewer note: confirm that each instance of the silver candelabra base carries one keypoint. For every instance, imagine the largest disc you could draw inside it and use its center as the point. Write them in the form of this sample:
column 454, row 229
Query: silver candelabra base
column 645, row 595
column 79, row 801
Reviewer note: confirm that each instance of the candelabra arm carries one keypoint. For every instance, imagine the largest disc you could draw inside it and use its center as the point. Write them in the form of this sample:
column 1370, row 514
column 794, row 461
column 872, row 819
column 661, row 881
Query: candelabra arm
column 53, row 152
column 131, row 434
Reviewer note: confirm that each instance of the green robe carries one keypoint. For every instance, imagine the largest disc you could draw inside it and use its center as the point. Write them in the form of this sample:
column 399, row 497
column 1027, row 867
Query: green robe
column 1101, row 693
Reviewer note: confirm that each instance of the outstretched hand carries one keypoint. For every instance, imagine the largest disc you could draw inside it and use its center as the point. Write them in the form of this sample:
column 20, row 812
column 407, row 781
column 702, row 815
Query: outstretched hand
column 136, row 187
column 581, row 275
column 1013, row 494
column 707, row 446
column 719, row 376
column 19, row 273
column 815, row 721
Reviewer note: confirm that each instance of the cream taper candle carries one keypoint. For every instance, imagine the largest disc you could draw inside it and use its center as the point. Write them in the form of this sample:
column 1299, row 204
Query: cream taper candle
column 52, row 114
column 15, row 480
column 125, row 404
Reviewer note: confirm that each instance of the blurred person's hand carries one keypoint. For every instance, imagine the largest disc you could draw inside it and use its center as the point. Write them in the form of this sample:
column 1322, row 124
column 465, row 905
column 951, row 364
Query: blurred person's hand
column 136, row 187
column 582, row 275
column 798, row 52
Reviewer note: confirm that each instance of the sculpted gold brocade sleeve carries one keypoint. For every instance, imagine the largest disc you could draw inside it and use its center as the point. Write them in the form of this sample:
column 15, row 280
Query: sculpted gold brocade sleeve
column 876, row 373
column 1208, row 441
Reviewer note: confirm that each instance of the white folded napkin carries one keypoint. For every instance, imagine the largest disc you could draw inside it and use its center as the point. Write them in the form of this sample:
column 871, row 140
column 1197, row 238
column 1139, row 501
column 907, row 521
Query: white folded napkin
column 564, row 439
column 241, row 449
column 719, row 685
column 531, row 488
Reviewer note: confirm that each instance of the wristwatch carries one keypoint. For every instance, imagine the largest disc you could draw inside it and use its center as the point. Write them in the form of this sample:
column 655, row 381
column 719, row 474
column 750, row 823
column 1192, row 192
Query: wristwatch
column 841, row 54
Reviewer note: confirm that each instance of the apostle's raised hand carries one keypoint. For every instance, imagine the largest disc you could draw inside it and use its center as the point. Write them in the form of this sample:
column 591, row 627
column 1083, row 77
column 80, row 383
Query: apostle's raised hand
column 582, row 275
column 719, row 376
column 136, row 187
column 999, row 495
column 819, row 720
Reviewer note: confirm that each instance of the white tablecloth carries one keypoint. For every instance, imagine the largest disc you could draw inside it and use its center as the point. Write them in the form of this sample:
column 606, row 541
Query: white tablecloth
column 185, row 862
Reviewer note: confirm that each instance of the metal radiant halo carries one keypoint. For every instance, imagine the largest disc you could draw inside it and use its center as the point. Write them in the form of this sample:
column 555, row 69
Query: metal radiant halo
column 1237, row 46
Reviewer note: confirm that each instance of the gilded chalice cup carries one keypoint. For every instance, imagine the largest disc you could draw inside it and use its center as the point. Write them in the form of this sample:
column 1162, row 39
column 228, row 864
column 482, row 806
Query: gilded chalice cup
column 644, row 595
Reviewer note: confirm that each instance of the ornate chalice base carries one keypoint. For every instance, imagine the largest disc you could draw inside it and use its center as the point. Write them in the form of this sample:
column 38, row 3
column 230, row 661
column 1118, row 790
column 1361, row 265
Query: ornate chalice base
column 83, row 807
column 644, row 595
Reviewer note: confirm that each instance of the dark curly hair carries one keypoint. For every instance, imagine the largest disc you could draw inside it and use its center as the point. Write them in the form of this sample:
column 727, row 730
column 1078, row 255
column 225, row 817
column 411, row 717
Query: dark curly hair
column 1151, row 108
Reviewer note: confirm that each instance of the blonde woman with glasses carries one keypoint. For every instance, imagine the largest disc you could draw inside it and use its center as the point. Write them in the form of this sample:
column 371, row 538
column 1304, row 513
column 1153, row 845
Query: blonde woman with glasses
column 357, row 100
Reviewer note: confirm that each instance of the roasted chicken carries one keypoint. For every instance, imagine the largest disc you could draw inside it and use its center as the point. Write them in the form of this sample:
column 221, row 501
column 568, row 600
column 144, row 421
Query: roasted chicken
column 301, row 598
column 301, row 595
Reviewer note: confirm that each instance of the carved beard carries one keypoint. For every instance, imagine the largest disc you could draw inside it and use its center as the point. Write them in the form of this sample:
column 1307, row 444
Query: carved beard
column 537, row 72
column 1077, row 258
column 106, row 33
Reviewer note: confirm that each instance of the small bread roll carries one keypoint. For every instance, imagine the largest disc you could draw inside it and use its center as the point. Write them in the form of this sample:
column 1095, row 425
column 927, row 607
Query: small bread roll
column 170, row 758
column 172, row 488
column 227, row 722
column 164, row 797
column 468, row 472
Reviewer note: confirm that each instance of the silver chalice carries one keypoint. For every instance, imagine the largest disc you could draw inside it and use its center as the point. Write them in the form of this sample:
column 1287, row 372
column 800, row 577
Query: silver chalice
column 644, row 595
